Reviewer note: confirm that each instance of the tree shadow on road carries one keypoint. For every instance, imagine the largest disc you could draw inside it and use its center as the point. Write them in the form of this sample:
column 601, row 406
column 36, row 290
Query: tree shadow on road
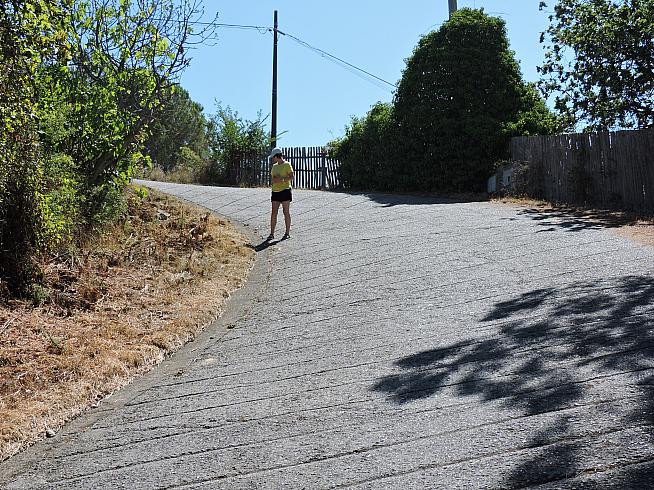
column 390, row 200
column 558, row 354
column 578, row 219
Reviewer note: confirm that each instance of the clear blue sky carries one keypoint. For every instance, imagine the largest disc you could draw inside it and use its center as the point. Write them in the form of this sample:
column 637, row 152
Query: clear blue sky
column 317, row 97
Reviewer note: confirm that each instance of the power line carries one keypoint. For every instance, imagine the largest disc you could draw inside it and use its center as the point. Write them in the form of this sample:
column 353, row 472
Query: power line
column 238, row 26
column 229, row 26
column 216, row 24
column 356, row 72
column 349, row 66
column 336, row 58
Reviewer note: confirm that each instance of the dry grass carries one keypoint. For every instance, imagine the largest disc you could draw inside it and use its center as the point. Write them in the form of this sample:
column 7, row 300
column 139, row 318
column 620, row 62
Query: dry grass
column 179, row 175
column 111, row 311
column 629, row 225
column 641, row 232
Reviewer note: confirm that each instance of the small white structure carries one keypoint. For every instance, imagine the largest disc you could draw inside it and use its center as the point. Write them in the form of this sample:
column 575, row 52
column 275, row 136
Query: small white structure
column 502, row 180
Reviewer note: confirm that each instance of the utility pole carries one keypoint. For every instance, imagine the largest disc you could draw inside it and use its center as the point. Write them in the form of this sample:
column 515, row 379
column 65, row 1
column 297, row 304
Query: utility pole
column 452, row 7
column 273, row 124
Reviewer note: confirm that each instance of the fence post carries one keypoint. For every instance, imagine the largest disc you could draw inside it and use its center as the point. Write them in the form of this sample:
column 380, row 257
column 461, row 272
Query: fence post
column 323, row 163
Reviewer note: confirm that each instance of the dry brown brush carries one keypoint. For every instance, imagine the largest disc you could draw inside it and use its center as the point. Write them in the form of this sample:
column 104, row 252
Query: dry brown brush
column 110, row 310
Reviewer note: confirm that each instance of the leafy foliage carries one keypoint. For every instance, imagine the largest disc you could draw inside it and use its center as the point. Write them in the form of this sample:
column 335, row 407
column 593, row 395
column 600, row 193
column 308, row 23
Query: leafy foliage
column 30, row 33
column 366, row 151
column 460, row 99
column 178, row 133
column 61, row 199
column 598, row 62
column 125, row 59
column 195, row 149
column 534, row 117
column 80, row 83
column 231, row 138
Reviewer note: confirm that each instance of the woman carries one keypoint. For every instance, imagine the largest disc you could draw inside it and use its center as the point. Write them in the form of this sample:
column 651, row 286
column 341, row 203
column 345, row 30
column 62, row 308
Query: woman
column 282, row 176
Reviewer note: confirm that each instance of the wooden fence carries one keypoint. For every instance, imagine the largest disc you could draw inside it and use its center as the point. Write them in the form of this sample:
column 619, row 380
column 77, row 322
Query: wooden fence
column 608, row 169
column 312, row 167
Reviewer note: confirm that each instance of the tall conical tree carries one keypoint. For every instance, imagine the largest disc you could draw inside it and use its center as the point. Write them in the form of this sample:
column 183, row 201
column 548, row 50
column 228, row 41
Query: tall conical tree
column 459, row 98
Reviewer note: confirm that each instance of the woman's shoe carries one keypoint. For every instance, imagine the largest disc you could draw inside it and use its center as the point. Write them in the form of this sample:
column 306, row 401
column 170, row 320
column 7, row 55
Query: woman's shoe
column 270, row 237
column 286, row 236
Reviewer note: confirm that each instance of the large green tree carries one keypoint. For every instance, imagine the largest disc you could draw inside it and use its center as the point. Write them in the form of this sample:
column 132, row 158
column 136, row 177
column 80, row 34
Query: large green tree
column 459, row 100
column 599, row 62
column 180, row 128
column 80, row 83
column 126, row 57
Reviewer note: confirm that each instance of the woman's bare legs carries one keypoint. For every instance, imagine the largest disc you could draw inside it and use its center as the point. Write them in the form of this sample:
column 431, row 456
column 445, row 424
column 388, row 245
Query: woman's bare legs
column 273, row 217
column 286, row 207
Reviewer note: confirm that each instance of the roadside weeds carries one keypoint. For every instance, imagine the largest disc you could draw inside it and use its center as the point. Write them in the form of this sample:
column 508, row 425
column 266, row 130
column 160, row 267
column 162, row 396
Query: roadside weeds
column 111, row 311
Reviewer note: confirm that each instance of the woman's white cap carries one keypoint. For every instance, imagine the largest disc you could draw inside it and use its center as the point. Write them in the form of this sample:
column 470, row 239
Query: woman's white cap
column 275, row 151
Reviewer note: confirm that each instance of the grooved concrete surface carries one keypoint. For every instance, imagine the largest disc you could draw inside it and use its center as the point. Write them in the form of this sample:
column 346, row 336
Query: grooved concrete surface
column 392, row 342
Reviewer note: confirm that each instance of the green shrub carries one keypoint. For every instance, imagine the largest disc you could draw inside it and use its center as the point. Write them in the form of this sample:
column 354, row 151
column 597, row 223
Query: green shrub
column 231, row 138
column 367, row 152
column 61, row 200
column 105, row 205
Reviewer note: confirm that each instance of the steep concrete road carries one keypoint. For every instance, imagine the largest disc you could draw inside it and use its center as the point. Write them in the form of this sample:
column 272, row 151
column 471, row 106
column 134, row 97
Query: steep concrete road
column 392, row 342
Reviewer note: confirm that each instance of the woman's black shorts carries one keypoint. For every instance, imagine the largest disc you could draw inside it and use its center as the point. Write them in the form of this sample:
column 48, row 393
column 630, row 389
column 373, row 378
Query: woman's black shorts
column 282, row 196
